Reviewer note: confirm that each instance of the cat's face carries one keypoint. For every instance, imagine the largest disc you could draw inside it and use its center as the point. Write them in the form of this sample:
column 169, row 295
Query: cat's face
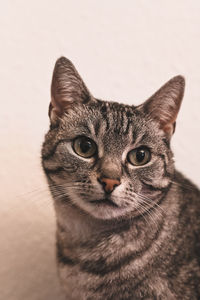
column 107, row 159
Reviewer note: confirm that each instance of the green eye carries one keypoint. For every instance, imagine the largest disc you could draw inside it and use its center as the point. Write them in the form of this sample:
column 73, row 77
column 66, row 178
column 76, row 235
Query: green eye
column 139, row 156
column 84, row 147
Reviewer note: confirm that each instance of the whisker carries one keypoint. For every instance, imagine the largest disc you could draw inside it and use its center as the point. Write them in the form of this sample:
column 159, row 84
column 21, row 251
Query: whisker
column 142, row 212
column 148, row 212
column 185, row 185
column 155, row 214
column 149, row 199
column 157, row 208
column 145, row 199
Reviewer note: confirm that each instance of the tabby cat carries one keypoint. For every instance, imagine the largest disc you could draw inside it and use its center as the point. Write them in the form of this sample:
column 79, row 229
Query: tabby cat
column 128, row 223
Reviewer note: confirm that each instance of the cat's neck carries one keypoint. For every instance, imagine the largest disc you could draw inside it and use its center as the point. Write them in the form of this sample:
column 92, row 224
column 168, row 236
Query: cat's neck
column 79, row 227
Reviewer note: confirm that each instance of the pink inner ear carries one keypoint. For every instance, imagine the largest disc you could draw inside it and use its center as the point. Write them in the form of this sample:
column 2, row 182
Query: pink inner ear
column 164, row 105
column 168, row 126
column 169, row 129
column 55, row 111
column 67, row 88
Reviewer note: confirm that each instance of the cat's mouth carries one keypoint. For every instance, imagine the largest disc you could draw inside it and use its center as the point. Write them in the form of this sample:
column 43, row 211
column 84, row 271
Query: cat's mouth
column 104, row 202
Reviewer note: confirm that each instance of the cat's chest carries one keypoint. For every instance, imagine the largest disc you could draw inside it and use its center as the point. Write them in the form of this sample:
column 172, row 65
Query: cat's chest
column 113, row 266
column 89, row 286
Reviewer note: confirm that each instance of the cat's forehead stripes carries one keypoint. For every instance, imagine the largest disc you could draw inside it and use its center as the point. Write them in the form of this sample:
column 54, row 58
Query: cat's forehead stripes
column 118, row 118
column 100, row 119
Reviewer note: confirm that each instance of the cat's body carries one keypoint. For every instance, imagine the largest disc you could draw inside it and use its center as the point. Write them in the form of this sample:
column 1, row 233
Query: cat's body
column 127, row 222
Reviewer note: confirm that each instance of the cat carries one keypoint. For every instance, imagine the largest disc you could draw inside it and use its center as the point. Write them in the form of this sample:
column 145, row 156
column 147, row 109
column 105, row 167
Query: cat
column 128, row 223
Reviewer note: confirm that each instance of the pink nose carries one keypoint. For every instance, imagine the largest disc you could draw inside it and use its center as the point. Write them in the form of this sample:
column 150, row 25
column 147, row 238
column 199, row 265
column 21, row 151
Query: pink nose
column 109, row 184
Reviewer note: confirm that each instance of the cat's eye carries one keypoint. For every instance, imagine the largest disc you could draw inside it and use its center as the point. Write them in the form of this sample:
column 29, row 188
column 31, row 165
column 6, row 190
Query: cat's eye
column 84, row 147
column 139, row 156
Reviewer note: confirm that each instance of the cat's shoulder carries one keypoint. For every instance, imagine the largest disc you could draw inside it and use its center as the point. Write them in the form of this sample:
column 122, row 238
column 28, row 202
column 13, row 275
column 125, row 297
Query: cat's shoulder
column 184, row 181
column 186, row 187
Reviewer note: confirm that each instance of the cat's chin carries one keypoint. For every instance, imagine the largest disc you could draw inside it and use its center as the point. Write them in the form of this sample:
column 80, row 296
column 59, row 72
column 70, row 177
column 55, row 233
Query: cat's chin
column 107, row 202
column 105, row 209
column 108, row 209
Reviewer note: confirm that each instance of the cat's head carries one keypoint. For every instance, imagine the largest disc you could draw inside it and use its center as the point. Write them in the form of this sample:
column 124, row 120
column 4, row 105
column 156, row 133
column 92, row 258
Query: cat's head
column 108, row 159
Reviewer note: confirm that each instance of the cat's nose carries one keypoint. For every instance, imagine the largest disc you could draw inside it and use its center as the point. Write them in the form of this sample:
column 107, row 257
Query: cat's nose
column 109, row 184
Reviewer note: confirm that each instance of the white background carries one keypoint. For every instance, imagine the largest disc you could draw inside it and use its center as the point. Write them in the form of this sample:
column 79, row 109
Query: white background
column 124, row 50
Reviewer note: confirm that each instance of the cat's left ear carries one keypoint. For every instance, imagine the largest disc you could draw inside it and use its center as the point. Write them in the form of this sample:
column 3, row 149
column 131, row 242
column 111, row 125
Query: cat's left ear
column 67, row 88
column 164, row 105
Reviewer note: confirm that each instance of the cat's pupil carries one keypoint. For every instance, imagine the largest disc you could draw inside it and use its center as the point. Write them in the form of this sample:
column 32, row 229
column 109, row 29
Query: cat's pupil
column 140, row 155
column 85, row 146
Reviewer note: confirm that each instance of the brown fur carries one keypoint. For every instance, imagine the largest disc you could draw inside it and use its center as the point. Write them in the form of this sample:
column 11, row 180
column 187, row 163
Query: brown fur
column 123, row 231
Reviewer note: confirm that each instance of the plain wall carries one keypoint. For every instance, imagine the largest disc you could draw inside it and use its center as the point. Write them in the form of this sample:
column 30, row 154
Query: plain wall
column 124, row 50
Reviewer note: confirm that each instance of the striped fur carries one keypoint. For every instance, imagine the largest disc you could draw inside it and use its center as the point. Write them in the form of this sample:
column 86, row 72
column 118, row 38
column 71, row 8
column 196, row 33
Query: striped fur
column 147, row 246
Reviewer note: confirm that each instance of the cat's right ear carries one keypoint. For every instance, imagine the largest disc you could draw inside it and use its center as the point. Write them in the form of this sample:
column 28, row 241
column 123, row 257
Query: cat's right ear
column 67, row 88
